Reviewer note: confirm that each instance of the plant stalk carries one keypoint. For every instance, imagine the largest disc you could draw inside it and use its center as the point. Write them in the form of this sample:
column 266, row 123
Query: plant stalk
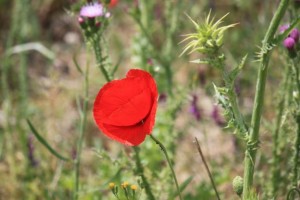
column 207, row 169
column 83, row 121
column 99, row 58
column 297, row 119
column 277, row 132
column 164, row 150
column 253, row 140
column 140, row 172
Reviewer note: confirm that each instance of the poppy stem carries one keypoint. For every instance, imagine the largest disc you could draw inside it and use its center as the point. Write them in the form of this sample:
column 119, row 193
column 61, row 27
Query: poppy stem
column 163, row 148
column 140, row 172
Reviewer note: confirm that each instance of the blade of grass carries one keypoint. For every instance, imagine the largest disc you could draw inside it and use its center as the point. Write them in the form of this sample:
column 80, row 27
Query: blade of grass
column 44, row 142
column 77, row 65
column 183, row 186
column 207, row 168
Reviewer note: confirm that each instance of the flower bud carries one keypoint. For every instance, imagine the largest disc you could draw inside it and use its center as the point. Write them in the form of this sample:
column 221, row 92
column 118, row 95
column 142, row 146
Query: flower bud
column 283, row 28
column 295, row 34
column 111, row 185
column 124, row 185
column 237, row 185
column 289, row 43
column 208, row 37
column 133, row 187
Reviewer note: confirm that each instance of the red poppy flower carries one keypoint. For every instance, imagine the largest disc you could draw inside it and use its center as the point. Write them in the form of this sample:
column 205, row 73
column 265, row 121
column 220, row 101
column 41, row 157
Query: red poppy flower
column 113, row 3
column 125, row 109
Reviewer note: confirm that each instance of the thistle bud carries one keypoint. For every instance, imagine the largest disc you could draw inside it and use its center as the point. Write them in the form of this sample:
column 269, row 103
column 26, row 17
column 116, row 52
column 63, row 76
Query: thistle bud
column 289, row 43
column 208, row 37
column 237, row 185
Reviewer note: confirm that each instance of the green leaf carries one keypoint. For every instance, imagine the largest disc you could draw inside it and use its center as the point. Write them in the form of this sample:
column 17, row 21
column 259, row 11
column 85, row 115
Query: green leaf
column 77, row 65
column 44, row 142
column 183, row 186
column 199, row 61
column 234, row 73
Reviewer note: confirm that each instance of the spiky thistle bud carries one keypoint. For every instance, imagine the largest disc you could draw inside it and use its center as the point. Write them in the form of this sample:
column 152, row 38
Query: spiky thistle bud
column 237, row 185
column 208, row 37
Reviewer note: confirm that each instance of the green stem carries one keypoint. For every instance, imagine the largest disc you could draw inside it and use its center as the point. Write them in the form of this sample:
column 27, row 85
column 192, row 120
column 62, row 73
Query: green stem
column 207, row 169
column 171, row 10
column 83, row 121
column 297, row 119
column 233, row 103
column 297, row 153
column 164, row 150
column 253, row 140
column 140, row 172
column 99, row 58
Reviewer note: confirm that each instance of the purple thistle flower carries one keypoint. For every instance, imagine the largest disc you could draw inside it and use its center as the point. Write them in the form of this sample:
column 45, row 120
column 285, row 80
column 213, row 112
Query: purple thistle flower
column 194, row 109
column 295, row 34
column 283, row 28
column 216, row 116
column 289, row 43
column 92, row 10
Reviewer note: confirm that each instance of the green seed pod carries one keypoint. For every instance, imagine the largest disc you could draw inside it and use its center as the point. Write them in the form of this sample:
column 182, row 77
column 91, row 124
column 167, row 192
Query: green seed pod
column 237, row 185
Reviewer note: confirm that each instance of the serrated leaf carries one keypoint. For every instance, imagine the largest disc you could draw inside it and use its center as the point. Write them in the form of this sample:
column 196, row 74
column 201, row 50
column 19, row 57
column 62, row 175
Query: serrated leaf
column 234, row 73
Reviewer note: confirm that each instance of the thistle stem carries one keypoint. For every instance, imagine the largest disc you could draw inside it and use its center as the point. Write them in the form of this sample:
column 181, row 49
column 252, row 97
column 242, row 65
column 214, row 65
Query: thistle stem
column 207, row 169
column 164, row 150
column 297, row 153
column 297, row 119
column 140, row 172
column 253, row 140
column 234, row 104
column 99, row 58
column 83, row 121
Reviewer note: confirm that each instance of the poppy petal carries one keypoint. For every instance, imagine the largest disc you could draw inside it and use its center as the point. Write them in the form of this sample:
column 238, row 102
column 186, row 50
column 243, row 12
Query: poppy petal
column 129, row 135
column 125, row 109
column 123, row 103
column 150, row 121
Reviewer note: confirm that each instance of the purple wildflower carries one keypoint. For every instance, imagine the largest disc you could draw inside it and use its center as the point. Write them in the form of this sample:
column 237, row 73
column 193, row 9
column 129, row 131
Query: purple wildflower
column 295, row 34
column 92, row 10
column 80, row 20
column 283, row 28
column 150, row 62
column 31, row 157
column 162, row 98
column 73, row 153
column 289, row 43
column 216, row 116
column 194, row 109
